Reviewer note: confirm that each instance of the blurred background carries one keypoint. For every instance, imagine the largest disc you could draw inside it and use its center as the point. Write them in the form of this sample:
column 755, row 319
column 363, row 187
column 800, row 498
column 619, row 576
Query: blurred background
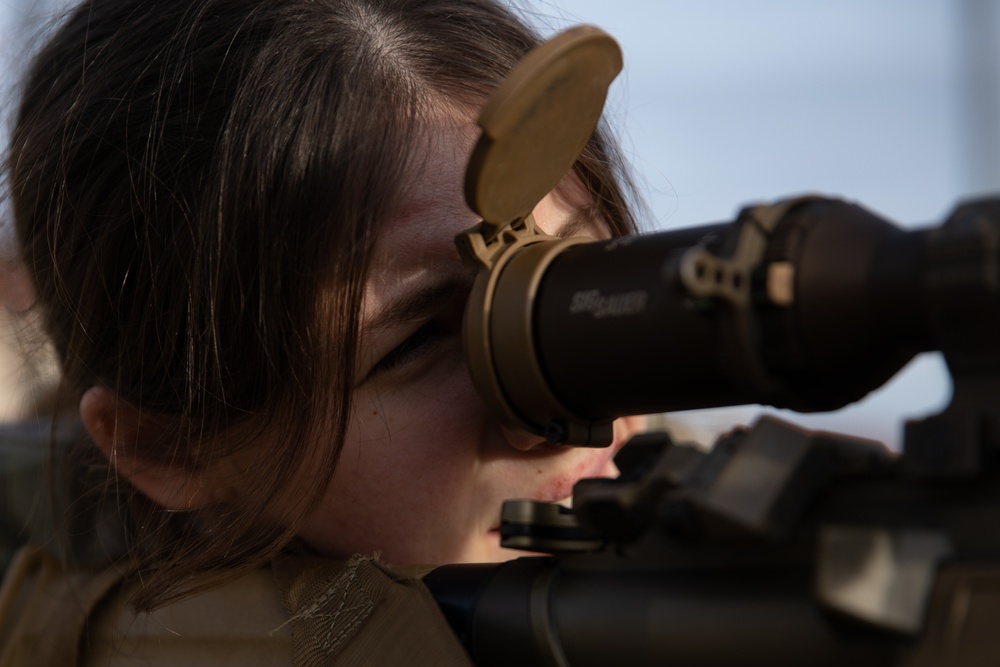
column 892, row 103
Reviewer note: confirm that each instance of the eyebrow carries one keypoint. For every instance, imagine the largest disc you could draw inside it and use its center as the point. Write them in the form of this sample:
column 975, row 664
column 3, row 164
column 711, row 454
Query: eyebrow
column 424, row 301
column 419, row 303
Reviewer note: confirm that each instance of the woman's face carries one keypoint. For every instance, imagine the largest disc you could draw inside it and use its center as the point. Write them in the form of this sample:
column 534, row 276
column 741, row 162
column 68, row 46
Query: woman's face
column 426, row 467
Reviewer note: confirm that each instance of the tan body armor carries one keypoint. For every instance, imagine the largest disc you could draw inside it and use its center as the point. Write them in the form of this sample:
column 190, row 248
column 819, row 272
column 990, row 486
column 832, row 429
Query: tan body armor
column 301, row 611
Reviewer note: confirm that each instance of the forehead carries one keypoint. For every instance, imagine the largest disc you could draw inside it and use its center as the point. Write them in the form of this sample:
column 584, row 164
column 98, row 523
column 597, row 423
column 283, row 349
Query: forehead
column 416, row 245
column 417, row 238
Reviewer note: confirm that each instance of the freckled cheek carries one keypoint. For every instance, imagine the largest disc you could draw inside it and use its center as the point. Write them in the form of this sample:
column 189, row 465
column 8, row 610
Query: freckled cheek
column 442, row 411
column 454, row 403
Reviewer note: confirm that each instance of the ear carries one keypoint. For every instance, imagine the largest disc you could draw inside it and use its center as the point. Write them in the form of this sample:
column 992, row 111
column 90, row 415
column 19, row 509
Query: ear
column 121, row 431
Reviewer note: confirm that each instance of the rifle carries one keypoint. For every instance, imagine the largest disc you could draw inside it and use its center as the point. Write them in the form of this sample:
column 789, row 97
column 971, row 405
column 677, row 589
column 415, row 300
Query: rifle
column 779, row 546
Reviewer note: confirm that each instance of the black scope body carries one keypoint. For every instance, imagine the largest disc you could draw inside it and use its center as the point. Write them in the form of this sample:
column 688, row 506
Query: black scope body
column 808, row 304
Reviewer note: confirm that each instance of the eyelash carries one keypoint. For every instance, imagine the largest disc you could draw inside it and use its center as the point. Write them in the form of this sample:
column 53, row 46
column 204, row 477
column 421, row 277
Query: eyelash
column 418, row 344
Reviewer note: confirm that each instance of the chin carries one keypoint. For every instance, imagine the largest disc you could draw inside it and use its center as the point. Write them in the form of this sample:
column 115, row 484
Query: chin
column 490, row 551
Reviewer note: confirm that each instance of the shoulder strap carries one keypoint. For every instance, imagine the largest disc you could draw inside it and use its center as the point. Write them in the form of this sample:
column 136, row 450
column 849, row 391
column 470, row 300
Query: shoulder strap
column 237, row 622
column 363, row 613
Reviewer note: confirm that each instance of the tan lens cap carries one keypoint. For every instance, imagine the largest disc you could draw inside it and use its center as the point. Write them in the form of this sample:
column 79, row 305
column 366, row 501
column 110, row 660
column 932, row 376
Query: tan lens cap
column 537, row 121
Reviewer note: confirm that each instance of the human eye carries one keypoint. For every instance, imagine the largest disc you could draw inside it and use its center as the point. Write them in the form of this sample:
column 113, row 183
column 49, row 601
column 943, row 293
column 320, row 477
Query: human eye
column 420, row 343
column 431, row 332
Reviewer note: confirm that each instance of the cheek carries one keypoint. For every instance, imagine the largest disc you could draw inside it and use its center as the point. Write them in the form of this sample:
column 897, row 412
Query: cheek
column 436, row 411
column 408, row 474
column 409, row 445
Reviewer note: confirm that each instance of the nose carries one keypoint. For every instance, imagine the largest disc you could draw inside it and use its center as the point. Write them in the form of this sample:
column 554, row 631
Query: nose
column 520, row 439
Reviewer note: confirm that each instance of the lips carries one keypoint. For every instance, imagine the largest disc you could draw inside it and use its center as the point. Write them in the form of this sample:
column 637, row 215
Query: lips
column 563, row 468
column 559, row 488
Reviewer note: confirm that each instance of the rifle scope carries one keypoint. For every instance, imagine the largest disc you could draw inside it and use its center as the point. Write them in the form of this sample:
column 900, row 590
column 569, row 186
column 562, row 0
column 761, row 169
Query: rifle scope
column 807, row 304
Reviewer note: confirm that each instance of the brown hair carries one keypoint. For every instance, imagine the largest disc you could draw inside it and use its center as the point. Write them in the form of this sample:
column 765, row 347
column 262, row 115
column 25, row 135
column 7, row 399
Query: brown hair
column 188, row 177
